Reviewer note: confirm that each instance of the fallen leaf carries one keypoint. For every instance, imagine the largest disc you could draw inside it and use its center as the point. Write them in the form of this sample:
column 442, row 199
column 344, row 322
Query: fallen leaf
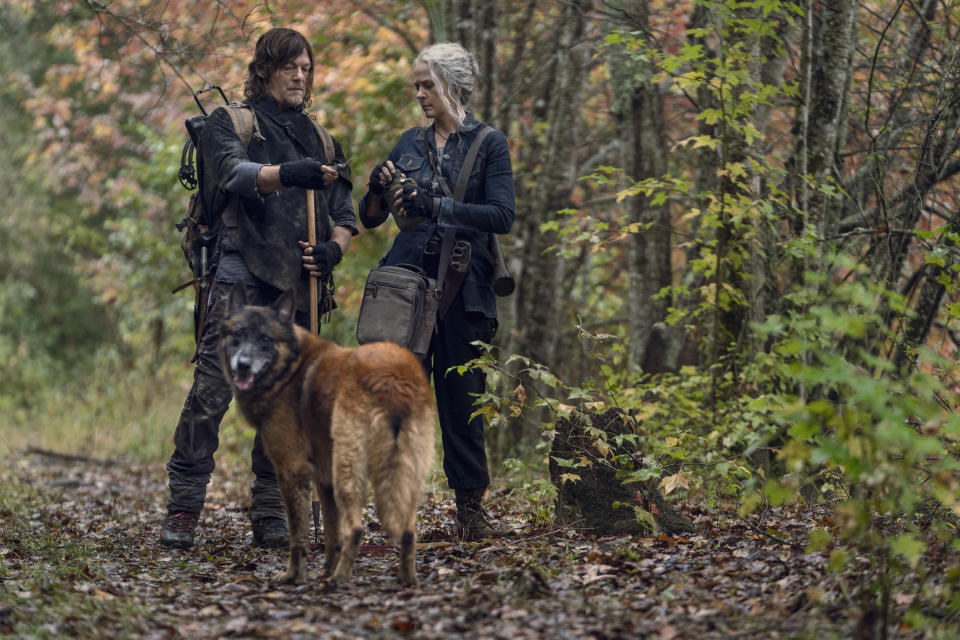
column 236, row 625
column 670, row 483
column 565, row 409
column 403, row 624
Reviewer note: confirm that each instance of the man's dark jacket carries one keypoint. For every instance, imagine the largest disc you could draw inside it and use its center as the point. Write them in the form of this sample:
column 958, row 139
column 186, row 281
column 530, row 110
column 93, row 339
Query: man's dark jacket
column 264, row 230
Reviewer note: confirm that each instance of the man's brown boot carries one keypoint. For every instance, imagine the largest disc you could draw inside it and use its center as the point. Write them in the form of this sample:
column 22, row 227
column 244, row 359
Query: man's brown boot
column 473, row 522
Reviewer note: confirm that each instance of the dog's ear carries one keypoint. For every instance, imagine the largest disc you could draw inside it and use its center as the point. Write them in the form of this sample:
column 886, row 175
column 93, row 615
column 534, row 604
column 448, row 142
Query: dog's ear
column 285, row 305
column 237, row 297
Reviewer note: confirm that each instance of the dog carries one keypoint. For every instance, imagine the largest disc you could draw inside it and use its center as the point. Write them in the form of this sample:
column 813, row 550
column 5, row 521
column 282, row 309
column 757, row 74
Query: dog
column 332, row 417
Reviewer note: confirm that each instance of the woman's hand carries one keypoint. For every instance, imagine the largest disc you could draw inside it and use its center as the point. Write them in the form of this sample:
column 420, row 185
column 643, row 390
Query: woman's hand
column 381, row 176
column 398, row 200
column 417, row 202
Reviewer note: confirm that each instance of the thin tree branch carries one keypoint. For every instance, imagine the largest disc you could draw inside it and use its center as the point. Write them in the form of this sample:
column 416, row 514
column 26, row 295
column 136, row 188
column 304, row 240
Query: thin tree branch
column 130, row 26
column 379, row 19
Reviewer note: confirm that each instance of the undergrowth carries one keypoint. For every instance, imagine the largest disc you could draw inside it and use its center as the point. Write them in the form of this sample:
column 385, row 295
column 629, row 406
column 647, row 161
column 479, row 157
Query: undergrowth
column 45, row 573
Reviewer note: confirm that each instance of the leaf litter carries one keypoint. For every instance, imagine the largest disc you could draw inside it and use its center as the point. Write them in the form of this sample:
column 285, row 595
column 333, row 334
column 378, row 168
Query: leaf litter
column 734, row 577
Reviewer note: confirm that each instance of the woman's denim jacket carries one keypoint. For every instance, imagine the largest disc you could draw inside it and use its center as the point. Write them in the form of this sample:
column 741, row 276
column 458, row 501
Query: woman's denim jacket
column 487, row 207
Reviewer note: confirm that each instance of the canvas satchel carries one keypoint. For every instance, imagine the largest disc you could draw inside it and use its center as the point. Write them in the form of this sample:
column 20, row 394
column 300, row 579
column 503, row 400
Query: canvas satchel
column 399, row 305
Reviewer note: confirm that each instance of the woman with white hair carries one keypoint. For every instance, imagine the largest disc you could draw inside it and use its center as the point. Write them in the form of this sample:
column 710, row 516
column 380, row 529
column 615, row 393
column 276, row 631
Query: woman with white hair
column 432, row 156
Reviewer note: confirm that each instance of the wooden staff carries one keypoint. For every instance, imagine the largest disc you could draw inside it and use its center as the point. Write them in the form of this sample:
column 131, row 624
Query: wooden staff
column 312, row 282
column 314, row 329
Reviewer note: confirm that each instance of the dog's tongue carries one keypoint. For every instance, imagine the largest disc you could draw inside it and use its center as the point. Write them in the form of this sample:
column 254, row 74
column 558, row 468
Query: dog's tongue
column 243, row 382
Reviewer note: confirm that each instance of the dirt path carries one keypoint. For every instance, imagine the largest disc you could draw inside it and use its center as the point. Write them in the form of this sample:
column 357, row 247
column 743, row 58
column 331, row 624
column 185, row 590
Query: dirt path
column 79, row 559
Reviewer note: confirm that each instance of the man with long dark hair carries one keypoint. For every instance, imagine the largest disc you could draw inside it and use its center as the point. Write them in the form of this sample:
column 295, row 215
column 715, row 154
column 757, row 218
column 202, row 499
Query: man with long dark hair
column 261, row 244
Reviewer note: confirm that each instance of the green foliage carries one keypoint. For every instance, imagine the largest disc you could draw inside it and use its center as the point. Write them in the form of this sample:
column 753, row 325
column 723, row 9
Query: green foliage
column 818, row 389
column 537, row 492
column 890, row 440
column 49, row 315
column 816, row 417
column 690, row 443
column 725, row 227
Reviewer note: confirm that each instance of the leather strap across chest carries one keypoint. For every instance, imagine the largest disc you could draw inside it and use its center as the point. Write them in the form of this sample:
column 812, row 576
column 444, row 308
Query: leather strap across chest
column 449, row 288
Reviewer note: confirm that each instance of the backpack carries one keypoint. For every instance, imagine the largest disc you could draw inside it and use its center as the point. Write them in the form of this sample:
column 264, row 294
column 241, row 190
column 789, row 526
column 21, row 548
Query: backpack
column 198, row 228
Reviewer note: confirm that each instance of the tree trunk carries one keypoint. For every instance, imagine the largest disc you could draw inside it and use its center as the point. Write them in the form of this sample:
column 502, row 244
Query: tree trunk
column 546, row 175
column 930, row 299
column 638, row 109
column 475, row 27
column 762, row 290
column 827, row 79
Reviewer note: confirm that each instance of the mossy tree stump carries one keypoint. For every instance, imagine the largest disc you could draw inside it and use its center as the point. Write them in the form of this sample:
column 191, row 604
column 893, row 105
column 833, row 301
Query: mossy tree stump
column 588, row 503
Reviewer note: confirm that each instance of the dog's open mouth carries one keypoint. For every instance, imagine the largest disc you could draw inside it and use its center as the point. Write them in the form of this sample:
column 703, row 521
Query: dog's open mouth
column 243, row 381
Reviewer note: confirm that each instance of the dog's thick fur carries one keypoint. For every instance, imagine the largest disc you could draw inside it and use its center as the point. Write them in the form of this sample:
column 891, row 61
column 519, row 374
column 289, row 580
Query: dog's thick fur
column 332, row 417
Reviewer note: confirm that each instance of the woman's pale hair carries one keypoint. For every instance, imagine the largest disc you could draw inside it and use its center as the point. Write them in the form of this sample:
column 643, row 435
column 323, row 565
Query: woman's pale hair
column 454, row 71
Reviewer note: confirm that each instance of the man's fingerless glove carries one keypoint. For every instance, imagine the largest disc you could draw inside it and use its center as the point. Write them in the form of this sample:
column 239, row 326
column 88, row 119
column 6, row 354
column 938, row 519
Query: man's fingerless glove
column 424, row 204
column 375, row 186
column 306, row 174
column 327, row 255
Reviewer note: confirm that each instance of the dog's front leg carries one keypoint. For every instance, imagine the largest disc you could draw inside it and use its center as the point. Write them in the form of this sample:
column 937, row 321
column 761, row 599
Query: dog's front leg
column 296, row 491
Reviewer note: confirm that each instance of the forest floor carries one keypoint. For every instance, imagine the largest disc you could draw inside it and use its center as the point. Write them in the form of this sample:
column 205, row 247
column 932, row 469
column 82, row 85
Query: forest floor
column 78, row 558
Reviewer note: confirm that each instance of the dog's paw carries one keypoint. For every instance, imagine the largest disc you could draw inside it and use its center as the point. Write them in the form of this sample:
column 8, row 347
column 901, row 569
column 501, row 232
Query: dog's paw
column 289, row 577
column 337, row 580
column 330, row 585
column 407, row 578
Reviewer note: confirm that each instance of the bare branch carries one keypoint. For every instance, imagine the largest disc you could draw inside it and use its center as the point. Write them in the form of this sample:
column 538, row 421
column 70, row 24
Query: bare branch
column 379, row 19
column 136, row 29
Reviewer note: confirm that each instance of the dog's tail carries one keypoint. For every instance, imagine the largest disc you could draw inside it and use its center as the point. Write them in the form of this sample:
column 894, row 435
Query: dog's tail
column 401, row 453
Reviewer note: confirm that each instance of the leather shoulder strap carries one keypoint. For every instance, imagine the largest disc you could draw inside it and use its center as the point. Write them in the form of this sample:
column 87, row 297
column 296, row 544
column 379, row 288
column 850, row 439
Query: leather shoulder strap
column 244, row 122
column 466, row 168
column 325, row 138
